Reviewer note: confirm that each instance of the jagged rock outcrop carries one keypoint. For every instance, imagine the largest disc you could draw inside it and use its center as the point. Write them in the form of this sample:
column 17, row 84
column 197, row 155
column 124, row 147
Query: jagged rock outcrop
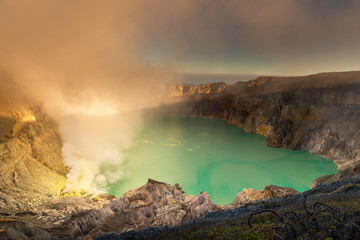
column 154, row 204
column 249, row 195
column 318, row 113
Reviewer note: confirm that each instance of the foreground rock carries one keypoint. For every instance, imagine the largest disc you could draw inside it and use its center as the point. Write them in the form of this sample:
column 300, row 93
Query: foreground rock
column 342, row 196
column 154, row 204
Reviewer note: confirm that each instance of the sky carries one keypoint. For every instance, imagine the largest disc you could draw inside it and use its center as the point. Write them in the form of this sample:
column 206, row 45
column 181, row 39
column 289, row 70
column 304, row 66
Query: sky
column 283, row 37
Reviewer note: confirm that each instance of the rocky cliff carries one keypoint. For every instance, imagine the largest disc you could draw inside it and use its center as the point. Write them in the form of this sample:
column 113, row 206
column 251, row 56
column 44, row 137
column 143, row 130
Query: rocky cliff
column 318, row 113
column 180, row 89
column 30, row 152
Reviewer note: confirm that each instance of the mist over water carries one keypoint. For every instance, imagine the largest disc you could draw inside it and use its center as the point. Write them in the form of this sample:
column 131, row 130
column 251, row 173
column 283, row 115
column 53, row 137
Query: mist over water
column 212, row 156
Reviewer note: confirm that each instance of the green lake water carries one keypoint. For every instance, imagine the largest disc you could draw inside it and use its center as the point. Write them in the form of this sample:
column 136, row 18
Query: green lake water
column 212, row 156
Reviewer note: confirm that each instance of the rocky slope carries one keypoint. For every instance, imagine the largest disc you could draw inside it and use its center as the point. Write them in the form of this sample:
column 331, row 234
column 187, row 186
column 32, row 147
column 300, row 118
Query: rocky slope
column 30, row 152
column 318, row 113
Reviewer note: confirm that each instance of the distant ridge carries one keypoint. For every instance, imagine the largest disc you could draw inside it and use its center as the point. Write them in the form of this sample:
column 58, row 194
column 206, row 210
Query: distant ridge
column 267, row 84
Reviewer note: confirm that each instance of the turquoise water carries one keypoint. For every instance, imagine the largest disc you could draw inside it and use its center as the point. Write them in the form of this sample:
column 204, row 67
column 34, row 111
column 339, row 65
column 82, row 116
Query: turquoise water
column 212, row 156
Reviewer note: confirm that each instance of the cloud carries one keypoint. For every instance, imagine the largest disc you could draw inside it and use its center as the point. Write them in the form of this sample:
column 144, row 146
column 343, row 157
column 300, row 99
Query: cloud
column 243, row 36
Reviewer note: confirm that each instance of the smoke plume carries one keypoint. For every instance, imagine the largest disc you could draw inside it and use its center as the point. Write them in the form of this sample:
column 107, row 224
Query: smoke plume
column 84, row 60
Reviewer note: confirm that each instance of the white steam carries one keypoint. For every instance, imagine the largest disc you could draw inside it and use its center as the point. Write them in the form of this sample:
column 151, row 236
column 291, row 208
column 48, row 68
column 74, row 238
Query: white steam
column 94, row 149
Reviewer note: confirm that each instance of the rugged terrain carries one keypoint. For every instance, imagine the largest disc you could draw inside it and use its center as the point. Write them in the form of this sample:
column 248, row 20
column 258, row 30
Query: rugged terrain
column 325, row 212
column 318, row 113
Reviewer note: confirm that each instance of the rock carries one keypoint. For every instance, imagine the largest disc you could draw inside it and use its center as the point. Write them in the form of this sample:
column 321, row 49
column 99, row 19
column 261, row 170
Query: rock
column 249, row 195
column 351, row 172
column 168, row 215
column 26, row 227
column 13, row 234
column 30, row 153
column 199, row 205
column 153, row 205
column 346, row 191
column 41, row 234
column 180, row 89
column 178, row 187
column 7, row 201
column 272, row 191
column 70, row 204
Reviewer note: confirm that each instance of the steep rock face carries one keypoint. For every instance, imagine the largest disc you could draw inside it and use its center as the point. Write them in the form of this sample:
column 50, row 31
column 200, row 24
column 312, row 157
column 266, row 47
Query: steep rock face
column 318, row 113
column 154, row 204
column 180, row 90
column 31, row 165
